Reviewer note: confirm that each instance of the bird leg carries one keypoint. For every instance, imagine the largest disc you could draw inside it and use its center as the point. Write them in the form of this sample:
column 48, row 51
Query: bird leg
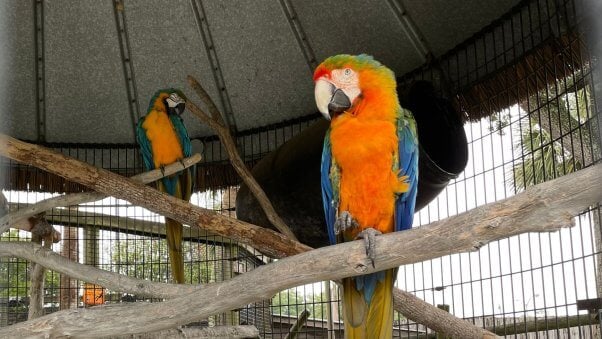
column 369, row 236
column 345, row 222
column 162, row 168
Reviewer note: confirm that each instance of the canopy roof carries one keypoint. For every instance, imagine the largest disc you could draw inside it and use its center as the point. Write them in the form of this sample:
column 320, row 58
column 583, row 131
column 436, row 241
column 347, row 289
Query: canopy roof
column 83, row 71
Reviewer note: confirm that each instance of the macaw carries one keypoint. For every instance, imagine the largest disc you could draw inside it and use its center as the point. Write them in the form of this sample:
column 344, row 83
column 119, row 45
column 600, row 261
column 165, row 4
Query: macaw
column 369, row 176
column 163, row 140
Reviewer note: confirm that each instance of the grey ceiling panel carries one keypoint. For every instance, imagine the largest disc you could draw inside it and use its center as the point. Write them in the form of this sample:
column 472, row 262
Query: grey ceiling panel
column 17, row 70
column 262, row 64
column 357, row 26
column 166, row 46
column 266, row 75
column 444, row 24
column 86, row 97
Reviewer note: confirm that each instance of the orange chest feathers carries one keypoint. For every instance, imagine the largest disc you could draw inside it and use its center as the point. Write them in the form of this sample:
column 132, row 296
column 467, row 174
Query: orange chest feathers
column 164, row 141
column 364, row 152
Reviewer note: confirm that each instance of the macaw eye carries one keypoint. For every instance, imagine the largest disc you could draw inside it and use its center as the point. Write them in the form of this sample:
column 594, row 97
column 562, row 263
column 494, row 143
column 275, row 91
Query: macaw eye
column 347, row 72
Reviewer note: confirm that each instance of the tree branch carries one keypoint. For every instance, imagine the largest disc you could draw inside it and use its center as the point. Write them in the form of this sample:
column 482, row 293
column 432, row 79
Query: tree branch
column 542, row 208
column 113, row 281
column 271, row 243
column 225, row 332
column 38, row 272
column 217, row 124
column 80, row 198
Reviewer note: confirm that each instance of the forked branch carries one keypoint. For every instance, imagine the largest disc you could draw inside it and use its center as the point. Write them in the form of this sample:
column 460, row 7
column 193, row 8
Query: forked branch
column 216, row 122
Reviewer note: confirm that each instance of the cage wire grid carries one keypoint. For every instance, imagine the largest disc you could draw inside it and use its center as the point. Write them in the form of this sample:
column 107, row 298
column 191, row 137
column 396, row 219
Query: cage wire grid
column 525, row 85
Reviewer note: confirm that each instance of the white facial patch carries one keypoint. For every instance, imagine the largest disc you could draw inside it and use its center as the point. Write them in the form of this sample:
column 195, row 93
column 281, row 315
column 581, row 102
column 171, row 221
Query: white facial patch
column 347, row 80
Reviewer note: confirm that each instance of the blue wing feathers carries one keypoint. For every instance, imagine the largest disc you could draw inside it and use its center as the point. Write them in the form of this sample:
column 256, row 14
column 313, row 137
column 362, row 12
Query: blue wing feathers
column 145, row 146
column 182, row 133
column 408, row 165
column 327, row 191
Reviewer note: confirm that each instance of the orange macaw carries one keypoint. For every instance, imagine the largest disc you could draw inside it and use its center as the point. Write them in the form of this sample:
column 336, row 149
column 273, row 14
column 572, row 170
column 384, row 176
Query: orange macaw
column 369, row 176
column 164, row 140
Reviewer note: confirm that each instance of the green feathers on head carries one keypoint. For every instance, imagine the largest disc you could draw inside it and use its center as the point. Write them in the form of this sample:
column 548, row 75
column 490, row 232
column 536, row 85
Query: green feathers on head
column 358, row 62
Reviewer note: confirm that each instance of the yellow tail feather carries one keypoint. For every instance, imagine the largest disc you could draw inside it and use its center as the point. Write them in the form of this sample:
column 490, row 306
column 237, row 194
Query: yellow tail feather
column 364, row 321
column 174, row 229
column 174, row 244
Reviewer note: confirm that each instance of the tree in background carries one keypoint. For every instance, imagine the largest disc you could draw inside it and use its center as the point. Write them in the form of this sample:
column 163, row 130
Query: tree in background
column 559, row 135
column 147, row 258
column 14, row 283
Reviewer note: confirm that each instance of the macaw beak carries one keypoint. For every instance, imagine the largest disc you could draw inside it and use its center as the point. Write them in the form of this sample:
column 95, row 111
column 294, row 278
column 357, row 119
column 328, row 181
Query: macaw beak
column 331, row 101
column 175, row 104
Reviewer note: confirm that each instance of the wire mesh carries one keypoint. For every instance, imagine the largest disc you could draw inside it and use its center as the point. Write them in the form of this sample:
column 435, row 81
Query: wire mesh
column 525, row 86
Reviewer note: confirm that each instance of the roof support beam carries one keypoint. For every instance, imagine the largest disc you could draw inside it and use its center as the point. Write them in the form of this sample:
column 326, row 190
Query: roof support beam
column 205, row 32
column 38, row 13
column 126, row 60
column 293, row 20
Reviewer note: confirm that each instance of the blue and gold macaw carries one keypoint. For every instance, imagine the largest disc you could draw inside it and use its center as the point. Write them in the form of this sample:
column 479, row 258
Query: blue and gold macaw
column 369, row 176
column 163, row 140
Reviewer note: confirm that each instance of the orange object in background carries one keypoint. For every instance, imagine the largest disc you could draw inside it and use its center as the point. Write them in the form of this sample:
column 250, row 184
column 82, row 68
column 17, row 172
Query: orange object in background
column 93, row 294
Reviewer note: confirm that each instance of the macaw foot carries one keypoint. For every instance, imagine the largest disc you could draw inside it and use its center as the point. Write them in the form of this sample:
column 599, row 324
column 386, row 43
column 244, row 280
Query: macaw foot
column 345, row 222
column 162, row 168
column 369, row 236
column 182, row 162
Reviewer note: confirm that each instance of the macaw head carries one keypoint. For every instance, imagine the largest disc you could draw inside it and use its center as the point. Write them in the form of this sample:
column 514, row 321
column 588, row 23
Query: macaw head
column 354, row 84
column 170, row 100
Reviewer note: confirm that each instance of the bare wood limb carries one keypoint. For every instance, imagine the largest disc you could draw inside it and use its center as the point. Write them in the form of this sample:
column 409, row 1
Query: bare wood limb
column 272, row 243
column 543, row 208
column 435, row 318
column 80, row 198
column 113, row 281
column 38, row 272
column 292, row 333
column 3, row 206
column 226, row 332
column 217, row 124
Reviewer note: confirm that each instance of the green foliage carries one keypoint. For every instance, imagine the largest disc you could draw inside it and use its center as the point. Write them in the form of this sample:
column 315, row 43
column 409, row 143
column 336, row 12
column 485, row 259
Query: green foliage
column 292, row 303
column 542, row 158
column 146, row 258
column 557, row 138
column 14, row 274
column 497, row 122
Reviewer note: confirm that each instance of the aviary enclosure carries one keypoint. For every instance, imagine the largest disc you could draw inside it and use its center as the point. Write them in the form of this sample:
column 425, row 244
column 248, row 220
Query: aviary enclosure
column 525, row 89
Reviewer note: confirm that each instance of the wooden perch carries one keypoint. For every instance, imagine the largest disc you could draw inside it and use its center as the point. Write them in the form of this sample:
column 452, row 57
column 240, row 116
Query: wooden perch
column 216, row 122
column 3, row 206
column 43, row 234
column 271, row 243
column 224, row 332
column 80, row 198
column 542, row 208
column 301, row 320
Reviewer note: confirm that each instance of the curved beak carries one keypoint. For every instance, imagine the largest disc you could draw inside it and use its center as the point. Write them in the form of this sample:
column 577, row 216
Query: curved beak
column 330, row 100
column 175, row 104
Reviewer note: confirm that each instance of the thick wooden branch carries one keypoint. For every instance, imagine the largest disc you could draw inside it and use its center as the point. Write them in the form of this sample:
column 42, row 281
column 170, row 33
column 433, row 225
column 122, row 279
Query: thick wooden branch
column 271, row 243
column 543, row 208
column 224, row 332
column 3, row 206
column 113, row 281
column 301, row 320
column 217, row 124
column 80, row 198
column 36, row 287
